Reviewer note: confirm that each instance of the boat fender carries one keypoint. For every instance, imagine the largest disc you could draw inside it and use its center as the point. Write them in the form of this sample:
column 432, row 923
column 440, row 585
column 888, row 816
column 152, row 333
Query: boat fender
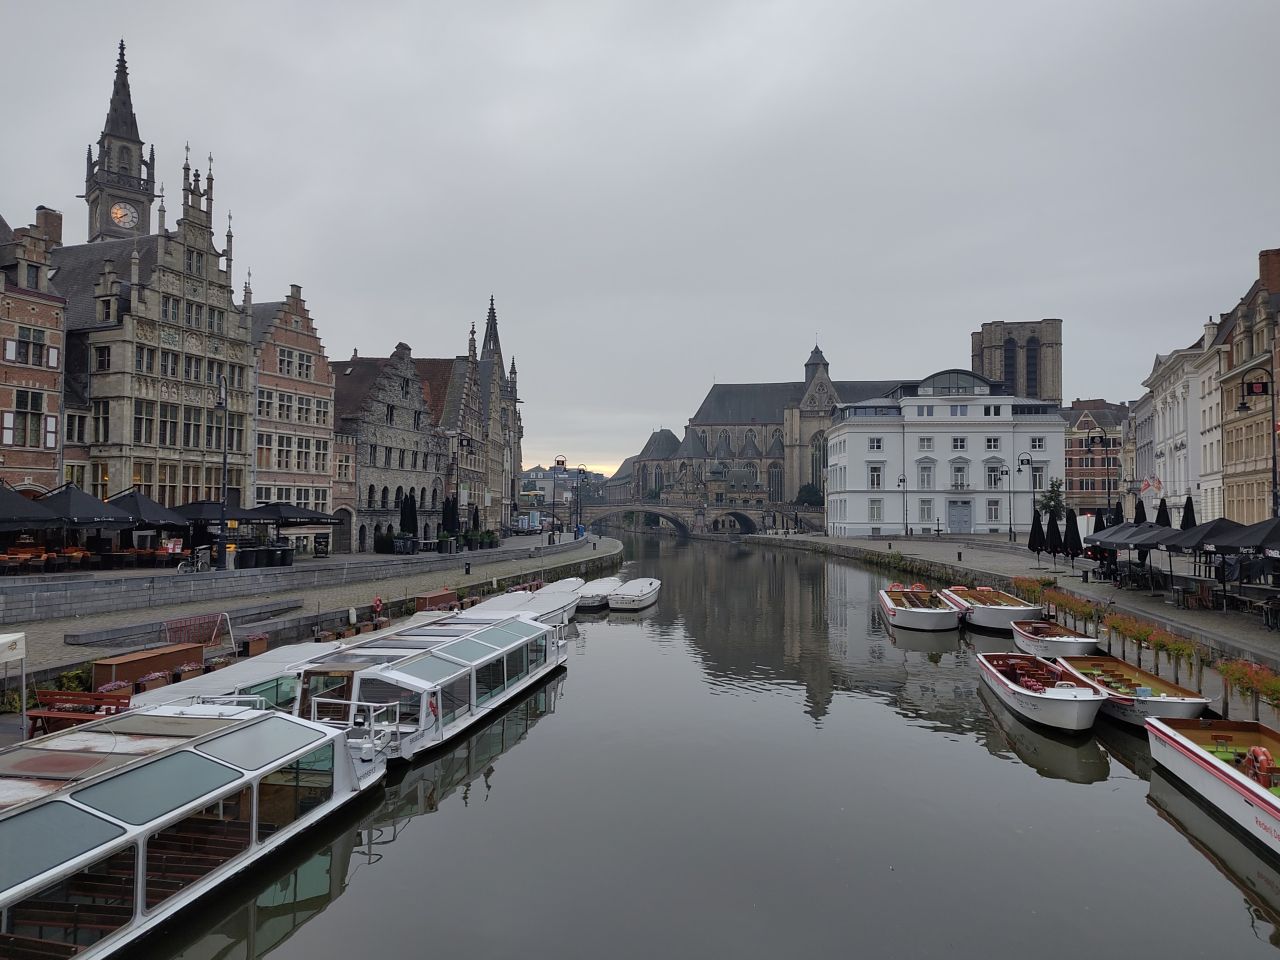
column 895, row 586
column 919, row 586
column 377, row 606
column 1258, row 764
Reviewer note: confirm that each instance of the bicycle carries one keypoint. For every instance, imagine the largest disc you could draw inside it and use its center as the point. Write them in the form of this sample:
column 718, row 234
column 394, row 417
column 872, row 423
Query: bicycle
column 199, row 562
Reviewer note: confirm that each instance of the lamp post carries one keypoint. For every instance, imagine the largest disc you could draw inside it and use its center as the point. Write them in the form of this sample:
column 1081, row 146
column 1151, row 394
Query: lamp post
column 902, row 485
column 1098, row 437
column 221, row 404
column 1261, row 388
column 556, row 467
column 1007, row 481
column 577, row 495
column 1024, row 460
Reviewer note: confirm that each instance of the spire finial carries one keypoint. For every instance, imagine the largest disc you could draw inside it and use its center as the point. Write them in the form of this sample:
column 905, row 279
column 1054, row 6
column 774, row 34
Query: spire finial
column 211, row 163
column 228, row 221
column 120, row 119
column 186, row 164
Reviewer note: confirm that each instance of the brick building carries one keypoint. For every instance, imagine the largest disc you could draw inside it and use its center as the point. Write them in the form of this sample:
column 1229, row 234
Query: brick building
column 31, row 329
column 1094, row 436
column 344, row 490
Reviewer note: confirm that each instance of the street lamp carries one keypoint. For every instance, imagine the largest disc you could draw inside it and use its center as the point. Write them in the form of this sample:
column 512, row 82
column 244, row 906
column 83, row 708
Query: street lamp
column 556, row 467
column 1008, row 486
column 221, row 404
column 1098, row 437
column 1024, row 460
column 902, row 485
column 1261, row 388
column 577, row 494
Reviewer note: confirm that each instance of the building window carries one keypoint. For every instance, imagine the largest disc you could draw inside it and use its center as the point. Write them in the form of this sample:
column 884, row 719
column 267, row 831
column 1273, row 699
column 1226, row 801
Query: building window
column 168, row 364
column 321, row 499
column 924, row 411
column 991, row 410
column 373, row 454
column 284, row 406
column 306, row 366
column 285, row 362
column 925, row 443
column 417, row 419
column 100, row 479
column 235, row 432
column 192, row 421
column 284, row 453
column 1037, row 477
column 168, row 425
column 144, row 421
column 169, row 309
column 194, row 315
column 925, row 513
column 144, row 359
column 266, row 401
column 959, row 410
column 190, row 483
column 1037, row 443
column 33, row 277
column 102, row 359
column 1032, row 355
column 404, row 388
column 993, row 477
column 344, row 467
column 194, row 262
column 236, row 374
column 993, row 511
column 875, row 443
column 29, row 349
column 101, row 422
column 959, row 443
column 167, row 484
column 74, row 474
column 192, row 368
column 104, row 310
column 322, row 456
column 303, row 446
column 217, row 319
column 386, row 457
column 993, row 443
column 213, row 432
column 775, row 482
column 262, row 495
column 875, row 510
column 77, row 425
column 266, row 451
column 24, row 426
column 304, row 409
column 959, row 476
column 875, row 476
column 213, row 371
column 925, row 476
column 144, row 477
column 391, row 415
column 322, row 413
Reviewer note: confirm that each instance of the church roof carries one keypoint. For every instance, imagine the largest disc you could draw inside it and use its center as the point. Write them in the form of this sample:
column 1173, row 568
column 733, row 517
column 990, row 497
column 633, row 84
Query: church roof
column 691, row 447
column 77, row 268
column 623, row 473
column 436, row 373
column 776, row 451
column 662, row 443
column 816, row 356
column 764, row 402
column 263, row 315
column 492, row 347
column 352, row 383
column 121, row 121
column 749, row 451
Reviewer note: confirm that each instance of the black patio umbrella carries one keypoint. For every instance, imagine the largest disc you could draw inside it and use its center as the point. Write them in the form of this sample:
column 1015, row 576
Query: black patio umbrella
column 78, row 510
column 19, row 513
column 1117, row 514
column 1188, row 515
column 287, row 515
column 1194, row 539
column 1035, row 540
column 1071, row 545
column 1110, row 537
column 146, row 513
column 1053, row 540
column 1162, row 514
column 1140, row 513
column 1254, row 539
column 210, row 511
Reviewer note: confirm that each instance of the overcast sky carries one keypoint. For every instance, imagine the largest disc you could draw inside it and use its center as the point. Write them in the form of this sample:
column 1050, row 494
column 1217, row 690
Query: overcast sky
column 664, row 195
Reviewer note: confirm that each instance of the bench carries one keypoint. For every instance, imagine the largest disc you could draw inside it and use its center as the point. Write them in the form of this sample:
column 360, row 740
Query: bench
column 59, row 709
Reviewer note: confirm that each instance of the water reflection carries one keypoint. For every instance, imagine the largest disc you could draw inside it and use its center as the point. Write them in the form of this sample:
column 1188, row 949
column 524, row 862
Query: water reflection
column 1253, row 873
column 1076, row 759
column 253, row 917
column 1127, row 744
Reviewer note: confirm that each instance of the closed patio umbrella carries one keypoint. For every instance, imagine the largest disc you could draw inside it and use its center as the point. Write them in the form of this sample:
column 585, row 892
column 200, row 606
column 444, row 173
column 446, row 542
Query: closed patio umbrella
column 1188, row 514
column 146, row 513
column 1053, row 540
column 1071, row 545
column 1035, row 540
column 79, row 510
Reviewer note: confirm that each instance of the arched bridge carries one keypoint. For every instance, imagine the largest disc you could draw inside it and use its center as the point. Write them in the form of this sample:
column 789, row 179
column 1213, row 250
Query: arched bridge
column 713, row 517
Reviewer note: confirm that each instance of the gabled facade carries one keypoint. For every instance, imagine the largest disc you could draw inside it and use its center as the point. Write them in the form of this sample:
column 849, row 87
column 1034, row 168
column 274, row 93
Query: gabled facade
column 1093, row 439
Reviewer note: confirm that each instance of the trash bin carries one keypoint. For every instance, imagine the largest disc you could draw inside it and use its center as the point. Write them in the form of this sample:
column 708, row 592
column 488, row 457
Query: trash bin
column 277, row 556
column 286, row 556
column 247, row 558
column 1084, row 576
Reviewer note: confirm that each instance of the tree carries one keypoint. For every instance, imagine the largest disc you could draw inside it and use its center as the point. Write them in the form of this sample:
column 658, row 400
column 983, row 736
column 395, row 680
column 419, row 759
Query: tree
column 808, row 496
column 1052, row 501
column 475, row 517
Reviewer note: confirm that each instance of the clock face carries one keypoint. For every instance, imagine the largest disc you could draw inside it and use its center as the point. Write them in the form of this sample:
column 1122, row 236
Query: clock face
column 124, row 215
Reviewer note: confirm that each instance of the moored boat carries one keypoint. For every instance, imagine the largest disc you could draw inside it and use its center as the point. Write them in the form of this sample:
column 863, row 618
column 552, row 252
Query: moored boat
column 635, row 594
column 1133, row 694
column 554, row 607
column 917, row 608
column 565, row 585
column 1230, row 764
column 594, row 594
column 990, row 609
column 1044, row 638
column 1039, row 691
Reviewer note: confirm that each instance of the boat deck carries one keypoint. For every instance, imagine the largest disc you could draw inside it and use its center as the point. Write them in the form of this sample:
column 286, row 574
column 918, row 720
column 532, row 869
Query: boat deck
column 988, row 598
column 1231, row 742
column 1125, row 679
column 917, row 600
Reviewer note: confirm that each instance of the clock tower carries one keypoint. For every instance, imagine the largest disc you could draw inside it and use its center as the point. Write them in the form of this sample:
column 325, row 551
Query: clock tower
column 119, row 184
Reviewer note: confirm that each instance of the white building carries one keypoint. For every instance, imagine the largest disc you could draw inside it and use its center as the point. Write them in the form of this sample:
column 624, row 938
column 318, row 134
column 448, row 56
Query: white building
column 1207, row 368
column 946, row 454
column 1175, row 441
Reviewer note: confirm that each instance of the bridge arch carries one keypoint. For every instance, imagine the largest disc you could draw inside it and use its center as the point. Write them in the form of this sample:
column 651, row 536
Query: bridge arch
column 745, row 522
column 609, row 512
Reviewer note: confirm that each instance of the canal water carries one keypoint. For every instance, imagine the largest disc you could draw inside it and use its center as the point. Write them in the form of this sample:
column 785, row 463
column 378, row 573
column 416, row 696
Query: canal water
column 755, row 768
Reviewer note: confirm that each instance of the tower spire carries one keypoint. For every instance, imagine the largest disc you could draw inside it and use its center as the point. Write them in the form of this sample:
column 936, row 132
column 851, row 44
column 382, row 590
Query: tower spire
column 471, row 344
column 492, row 348
column 121, row 121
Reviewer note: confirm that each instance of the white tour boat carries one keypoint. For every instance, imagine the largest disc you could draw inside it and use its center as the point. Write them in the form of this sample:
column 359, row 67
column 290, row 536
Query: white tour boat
column 1038, row 691
column 1044, row 638
column 917, row 608
column 413, row 687
column 594, row 595
column 555, row 608
column 565, row 585
column 110, row 828
column 1230, row 763
column 635, row 594
column 1134, row 694
column 990, row 609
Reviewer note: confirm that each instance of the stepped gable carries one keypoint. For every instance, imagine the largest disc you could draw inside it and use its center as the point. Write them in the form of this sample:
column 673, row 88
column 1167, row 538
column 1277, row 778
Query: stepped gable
column 691, row 447
column 660, row 446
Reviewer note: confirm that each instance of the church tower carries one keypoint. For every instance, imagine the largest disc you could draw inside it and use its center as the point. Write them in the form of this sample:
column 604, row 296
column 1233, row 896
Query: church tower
column 119, row 184
column 492, row 348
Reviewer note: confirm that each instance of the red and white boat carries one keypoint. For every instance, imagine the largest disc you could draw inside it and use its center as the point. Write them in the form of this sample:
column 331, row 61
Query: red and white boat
column 989, row 608
column 1231, row 764
column 1044, row 638
column 1134, row 694
column 1039, row 691
column 917, row 608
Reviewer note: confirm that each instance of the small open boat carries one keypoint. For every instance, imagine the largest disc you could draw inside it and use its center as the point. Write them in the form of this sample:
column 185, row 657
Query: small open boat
column 594, row 594
column 1044, row 638
column 917, row 608
column 635, row 594
column 990, row 609
column 1134, row 694
column 1229, row 763
column 1038, row 691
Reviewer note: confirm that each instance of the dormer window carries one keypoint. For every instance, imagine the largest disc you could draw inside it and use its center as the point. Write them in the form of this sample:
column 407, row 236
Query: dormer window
column 33, row 277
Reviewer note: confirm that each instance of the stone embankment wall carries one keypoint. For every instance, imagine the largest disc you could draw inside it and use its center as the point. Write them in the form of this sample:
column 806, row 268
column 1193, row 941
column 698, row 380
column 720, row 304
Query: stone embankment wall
column 911, row 568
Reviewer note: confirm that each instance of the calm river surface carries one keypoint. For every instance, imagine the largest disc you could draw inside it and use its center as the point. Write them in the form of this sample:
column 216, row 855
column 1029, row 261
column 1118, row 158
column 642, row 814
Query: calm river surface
column 754, row 768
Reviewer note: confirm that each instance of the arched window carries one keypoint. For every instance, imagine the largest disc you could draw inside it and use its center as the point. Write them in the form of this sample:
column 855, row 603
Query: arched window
column 399, row 497
column 753, row 474
column 386, row 498
column 124, row 159
column 723, row 441
column 435, row 497
column 818, row 460
column 702, row 435
column 373, row 496
column 1011, row 363
column 377, row 530
column 1033, row 367
column 657, row 479
column 422, row 499
column 751, row 436
column 775, row 482
column 364, row 538
column 644, row 479
column 697, row 472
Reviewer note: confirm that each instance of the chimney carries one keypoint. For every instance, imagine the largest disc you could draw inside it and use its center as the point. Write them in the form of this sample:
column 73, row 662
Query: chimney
column 49, row 223
column 1269, row 270
column 295, row 291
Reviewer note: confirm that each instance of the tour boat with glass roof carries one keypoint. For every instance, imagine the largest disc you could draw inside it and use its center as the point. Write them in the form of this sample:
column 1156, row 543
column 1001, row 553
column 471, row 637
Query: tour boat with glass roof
column 415, row 685
column 109, row 828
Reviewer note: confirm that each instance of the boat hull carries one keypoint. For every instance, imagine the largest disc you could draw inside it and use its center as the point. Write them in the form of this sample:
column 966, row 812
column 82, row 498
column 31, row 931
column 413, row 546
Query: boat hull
column 1060, row 712
column 997, row 617
column 1255, row 810
column 631, row 596
column 914, row 618
column 1051, row 646
column 1136, row 710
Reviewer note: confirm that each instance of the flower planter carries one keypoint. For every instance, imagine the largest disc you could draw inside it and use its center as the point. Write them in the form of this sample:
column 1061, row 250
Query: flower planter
column 366, row 627
column 142, row 686
column 380, row 622
column 180, row 675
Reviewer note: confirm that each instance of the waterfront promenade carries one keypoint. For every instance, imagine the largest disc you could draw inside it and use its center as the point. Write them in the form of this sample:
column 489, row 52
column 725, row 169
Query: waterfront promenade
column 1228, row 633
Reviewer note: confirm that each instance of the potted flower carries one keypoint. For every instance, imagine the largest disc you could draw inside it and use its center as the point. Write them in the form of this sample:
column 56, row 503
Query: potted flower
column 150, row 681
column 185, row 671
column 215, row 663
column 115, row 686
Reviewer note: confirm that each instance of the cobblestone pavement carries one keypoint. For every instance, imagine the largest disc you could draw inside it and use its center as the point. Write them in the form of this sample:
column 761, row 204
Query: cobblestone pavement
column 46, row 648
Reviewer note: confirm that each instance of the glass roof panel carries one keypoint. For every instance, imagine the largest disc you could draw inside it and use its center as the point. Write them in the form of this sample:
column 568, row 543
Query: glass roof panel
column 256, row 745
column 144, row 793
column 145, row 724
column 46, row 836
column 430, row 669
column 523, row 629
column 467, row 649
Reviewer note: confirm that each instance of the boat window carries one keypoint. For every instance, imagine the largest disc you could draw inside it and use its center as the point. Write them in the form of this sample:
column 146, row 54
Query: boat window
column 373, row 690
column 537, row 652
column 78, row 910
column 148, row 725
column 455, row 699
column 517, row 664
column 152, row 790
column 523, row 629
column 189, row 850
column 430, row 669
column 255, row 746
column 500, row 636
column 43, row 837
column 278, row 692
column 467, row 650
column 289, row 793
column 490, row 680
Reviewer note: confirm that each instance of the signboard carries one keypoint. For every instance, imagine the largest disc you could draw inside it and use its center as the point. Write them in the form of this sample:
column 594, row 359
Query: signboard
column 13, row 647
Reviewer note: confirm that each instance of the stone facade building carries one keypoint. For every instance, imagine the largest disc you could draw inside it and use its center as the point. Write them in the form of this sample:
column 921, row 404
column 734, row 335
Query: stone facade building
column 344, row 490
column 294, row 419
column 380, row 402
column 1094, row 435
column 1025, row 357
column 31, row 364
